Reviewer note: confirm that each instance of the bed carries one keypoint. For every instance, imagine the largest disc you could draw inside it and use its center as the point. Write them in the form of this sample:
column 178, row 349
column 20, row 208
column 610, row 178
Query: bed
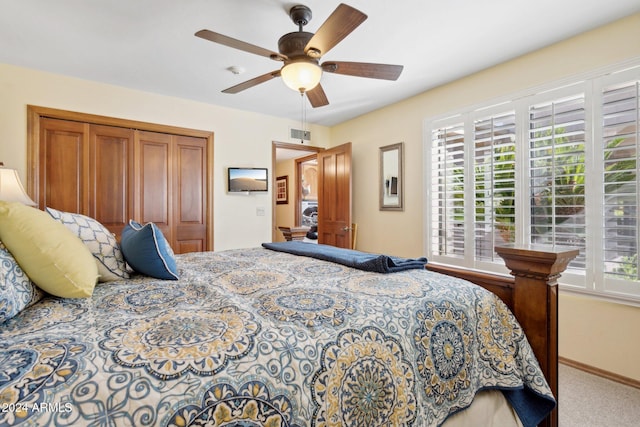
column 262, row 337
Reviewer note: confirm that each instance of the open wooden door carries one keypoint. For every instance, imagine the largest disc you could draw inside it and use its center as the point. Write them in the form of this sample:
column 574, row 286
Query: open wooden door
column 334, row 196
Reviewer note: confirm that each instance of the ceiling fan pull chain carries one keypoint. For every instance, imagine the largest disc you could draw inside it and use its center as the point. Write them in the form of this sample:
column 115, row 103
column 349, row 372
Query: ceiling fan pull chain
column 302, row 116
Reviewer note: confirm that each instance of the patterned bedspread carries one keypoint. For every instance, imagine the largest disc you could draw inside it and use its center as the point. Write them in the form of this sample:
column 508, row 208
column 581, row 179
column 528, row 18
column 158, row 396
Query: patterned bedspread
column 262, row 338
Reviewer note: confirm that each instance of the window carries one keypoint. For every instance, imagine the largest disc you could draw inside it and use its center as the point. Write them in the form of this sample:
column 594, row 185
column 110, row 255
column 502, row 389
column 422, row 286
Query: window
column 494, row 182
column 620, row 132
column 556, row 168
column 448, row 183
column 556, row 141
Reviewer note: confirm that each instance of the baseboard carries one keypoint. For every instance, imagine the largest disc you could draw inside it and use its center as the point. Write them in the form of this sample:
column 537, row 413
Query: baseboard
column 600, row 372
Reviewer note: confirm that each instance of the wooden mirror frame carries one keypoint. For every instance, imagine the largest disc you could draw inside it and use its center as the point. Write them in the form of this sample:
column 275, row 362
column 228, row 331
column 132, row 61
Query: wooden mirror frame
column 391, row 170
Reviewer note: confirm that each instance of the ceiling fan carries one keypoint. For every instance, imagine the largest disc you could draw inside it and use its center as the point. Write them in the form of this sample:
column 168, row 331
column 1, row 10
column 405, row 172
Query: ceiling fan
column 301, row 52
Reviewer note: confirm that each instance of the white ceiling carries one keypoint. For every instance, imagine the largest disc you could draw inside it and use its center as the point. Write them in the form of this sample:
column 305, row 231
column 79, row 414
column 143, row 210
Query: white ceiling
column 149, row 44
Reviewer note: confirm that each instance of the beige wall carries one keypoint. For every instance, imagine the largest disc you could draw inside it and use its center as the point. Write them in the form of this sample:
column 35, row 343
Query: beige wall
column 597, row 333
column 601, row 334
column 241, row 138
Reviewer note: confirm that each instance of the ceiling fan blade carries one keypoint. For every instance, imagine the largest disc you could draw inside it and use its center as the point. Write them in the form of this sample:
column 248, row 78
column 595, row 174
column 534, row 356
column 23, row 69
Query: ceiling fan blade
column 338, row 25
column 317, row 97
column 253, row 82
column 364, row 69
column 238, row 44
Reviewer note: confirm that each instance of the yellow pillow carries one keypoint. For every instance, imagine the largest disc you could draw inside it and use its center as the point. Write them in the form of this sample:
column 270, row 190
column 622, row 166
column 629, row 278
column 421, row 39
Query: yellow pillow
column 53, row 257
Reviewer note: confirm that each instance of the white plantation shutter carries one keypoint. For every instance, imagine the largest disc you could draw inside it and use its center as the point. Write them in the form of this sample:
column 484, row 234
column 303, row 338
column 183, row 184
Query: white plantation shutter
column 559, row 167
column 620, row 133
column 557, row 174
column 447, row 191
column 494, row 181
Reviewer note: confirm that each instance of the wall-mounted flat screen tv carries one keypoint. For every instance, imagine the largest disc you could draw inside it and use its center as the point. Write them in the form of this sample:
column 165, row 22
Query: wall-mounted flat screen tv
column 242, row 180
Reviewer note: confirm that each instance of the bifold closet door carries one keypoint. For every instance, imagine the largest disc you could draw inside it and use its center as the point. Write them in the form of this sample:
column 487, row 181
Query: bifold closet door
column 171, row 187
column 63, row 173
column 86, row 169
column 153, row 184
column 111, row 176
column 190, row 192
column 115, row 174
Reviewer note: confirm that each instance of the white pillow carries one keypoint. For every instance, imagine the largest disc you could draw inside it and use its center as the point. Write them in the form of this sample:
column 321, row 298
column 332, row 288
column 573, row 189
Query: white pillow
column 100, row 241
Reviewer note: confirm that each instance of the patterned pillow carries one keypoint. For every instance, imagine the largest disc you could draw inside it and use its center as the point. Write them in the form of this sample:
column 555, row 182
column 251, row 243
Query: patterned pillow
column 147, row 251
column 100, row 241
column 17, row 291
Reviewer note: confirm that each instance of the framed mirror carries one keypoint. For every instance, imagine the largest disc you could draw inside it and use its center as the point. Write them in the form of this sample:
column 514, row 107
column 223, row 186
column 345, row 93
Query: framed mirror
column 391, row 177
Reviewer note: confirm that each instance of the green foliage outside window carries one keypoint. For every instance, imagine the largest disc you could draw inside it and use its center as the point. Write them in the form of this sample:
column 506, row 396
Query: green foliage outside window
column 559, row 200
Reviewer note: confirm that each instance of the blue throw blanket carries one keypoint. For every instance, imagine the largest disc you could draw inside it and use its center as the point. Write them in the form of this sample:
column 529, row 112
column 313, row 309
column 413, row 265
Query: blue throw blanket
column 361, row 260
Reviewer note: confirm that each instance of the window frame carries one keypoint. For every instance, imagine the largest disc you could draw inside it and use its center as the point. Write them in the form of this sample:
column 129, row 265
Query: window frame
column 592, row 279
column 605, row 284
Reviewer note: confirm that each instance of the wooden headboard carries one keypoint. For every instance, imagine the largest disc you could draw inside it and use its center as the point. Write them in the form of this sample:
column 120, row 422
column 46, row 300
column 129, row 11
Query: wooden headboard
column 532, row 296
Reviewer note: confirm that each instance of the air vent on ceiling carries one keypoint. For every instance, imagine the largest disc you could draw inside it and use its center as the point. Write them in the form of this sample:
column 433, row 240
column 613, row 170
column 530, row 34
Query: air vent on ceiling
column 300, row 135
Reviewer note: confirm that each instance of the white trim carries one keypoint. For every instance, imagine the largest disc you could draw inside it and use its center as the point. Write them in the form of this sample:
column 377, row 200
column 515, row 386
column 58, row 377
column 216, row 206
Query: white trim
column 469, row 180
column 594, row 219
column 523, row 204
column 612, row 69
column 426, row 188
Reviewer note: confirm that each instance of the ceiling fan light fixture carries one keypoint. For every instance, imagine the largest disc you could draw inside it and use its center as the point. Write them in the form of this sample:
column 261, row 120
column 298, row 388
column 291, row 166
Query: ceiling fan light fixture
column 302, row 75
column 300, row 53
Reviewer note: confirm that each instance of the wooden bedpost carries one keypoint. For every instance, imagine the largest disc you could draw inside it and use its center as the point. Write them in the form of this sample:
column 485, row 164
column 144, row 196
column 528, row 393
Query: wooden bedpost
column 532, row 296
column 535, row 302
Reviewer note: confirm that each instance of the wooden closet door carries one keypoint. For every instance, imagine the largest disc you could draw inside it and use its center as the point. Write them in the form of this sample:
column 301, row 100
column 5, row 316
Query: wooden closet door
column 63, row 172
column 171, row 187
column 153, row 186
column 114, row 170
column 111, row 171
column 190, row 194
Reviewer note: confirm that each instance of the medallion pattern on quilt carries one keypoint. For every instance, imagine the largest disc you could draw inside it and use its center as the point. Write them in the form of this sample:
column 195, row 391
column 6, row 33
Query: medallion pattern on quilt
column 500, row 337
column 364, row 380
column 251, row 405
column 210, row 264
column 52, row 313
column 321, row 269
column 31, row 371
column 154, row 295
column 245, row 282
column 308, row 307
column 443, row 340
column 259, row 256
column 197, row 340
column 397, row 285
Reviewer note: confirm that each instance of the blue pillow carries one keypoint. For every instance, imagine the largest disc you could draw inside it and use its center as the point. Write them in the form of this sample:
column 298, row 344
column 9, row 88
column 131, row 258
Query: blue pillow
column 147, row 251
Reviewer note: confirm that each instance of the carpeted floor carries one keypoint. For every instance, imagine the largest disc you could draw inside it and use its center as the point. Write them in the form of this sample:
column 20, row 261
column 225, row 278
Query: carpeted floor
column 590, row 401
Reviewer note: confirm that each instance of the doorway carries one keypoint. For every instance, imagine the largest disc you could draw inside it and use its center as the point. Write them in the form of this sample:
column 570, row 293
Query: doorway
column 286, row 169
column 334, row 201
